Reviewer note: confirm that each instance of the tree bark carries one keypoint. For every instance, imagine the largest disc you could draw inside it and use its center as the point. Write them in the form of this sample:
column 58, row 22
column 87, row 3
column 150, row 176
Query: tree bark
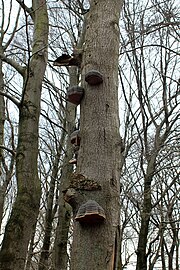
column 64, row 213
column 2, row 119
column 99, row 159
column 25, row 210
column 145, row 218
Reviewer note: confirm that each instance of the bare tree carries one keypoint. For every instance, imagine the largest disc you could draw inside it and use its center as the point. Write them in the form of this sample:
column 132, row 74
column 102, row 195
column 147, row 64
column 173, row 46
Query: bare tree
column 99, row 159
column 152, row 115
column 7, row 147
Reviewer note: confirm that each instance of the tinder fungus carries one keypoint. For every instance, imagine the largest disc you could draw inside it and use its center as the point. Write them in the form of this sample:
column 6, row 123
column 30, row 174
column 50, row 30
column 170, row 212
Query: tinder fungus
column 75, row 94
column 94, row 77
column 90, row 213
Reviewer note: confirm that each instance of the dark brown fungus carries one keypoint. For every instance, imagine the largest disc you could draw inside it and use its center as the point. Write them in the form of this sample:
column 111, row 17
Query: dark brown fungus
column 90, row 213
column 75, row 94
column 69, row 60
column 94, row 77
column 75, row 138
column 62, row 60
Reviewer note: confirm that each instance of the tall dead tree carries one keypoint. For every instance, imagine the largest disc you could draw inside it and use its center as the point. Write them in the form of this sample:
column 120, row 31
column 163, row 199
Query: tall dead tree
column 98, row 166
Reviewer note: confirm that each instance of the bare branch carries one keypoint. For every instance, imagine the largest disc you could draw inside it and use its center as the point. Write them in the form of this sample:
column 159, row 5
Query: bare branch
column 146, row 46
column 13, row 32
column 28, row 10
column 14, row 64
column 7, row 149
column 10, row 98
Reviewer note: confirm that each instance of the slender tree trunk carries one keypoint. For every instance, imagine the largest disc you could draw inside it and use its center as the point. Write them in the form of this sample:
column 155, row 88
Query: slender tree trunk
column 99, row 160
column 163, row 261
column 25, row 210
column 64, row 213
column 51, row 210
column 175, row 238
column 145, row 218
column 147, row 205
column 30, row 250
column 2, row 119
column 2, row 113
column 60, row 247
column 145, row 215
column 8, row 169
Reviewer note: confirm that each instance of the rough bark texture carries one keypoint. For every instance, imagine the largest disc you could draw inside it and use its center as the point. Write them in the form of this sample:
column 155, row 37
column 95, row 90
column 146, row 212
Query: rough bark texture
column 2, row 119
column 25, row 210
column 2, row 111
column 99, row 160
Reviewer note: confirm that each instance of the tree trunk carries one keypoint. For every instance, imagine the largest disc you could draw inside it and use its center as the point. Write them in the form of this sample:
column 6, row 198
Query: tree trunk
column 51, row 209
column 30, row 250
column 64, row 213
column 2, row 119
column 145, row 215
column 25, row 210
column 99, row 159
column 147, row 204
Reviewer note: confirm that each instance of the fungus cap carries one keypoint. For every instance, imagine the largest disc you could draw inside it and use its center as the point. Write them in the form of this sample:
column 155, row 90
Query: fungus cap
column 93, row 77
column 75, row 94
column 75, row 138
column 90, row 213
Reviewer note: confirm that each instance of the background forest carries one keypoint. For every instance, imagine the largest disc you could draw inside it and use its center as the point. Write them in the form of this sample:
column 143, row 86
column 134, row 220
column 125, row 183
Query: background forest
column 149, row 112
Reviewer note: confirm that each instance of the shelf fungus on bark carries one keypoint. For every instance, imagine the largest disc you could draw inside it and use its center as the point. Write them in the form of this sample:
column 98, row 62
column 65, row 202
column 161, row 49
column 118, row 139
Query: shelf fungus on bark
column 75, row 137
column 93, row 77
column 90, row 213
column 75, row 94
column 75, row 140
column 70, row 196
column 75, row 150
column 69, row 60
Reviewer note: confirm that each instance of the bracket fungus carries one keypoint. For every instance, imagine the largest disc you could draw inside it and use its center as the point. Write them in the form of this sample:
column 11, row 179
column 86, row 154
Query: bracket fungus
column 90, row 213
column 75, row 138
column 75, row 94
column 74, row 59
column 93, row 77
